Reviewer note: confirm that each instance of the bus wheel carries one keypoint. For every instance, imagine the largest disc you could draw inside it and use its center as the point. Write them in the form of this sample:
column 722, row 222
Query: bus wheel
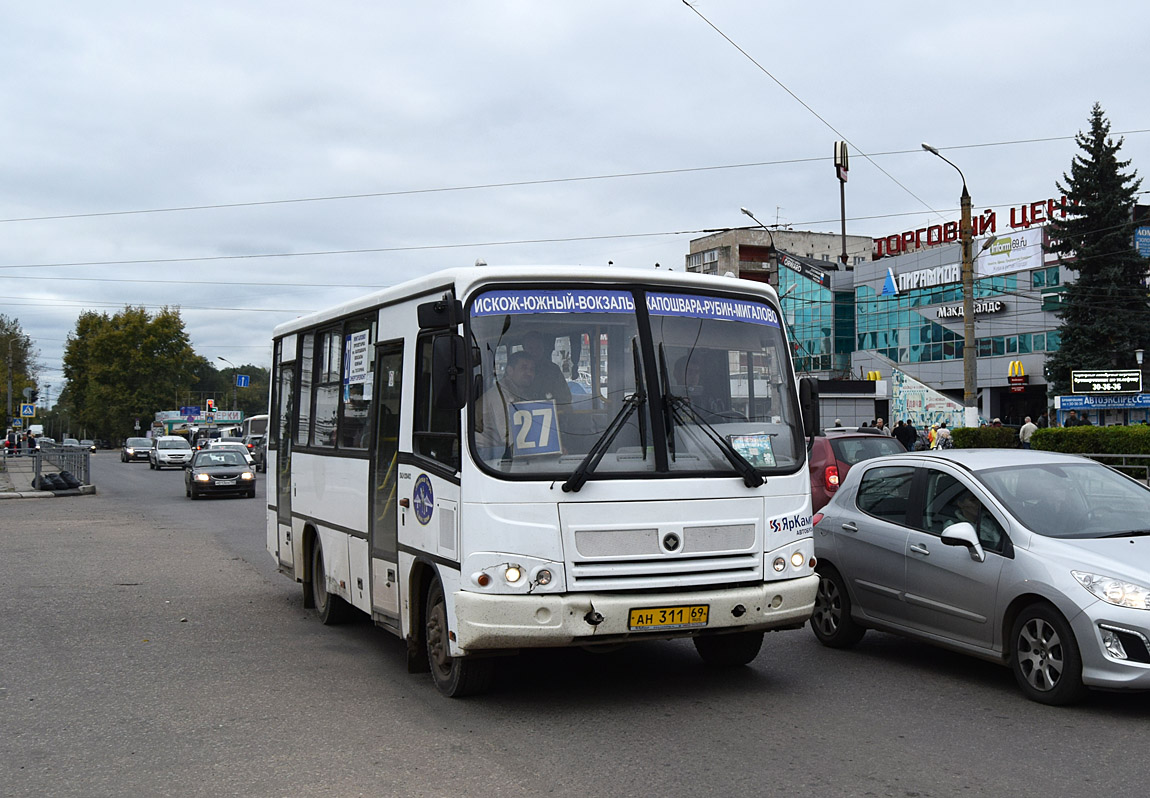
column 331, row 609
column 739, row 648
column 454, row 676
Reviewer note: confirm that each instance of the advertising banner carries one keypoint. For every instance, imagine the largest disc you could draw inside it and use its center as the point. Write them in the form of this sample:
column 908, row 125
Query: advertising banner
column 1020, row 250
column 921, row 404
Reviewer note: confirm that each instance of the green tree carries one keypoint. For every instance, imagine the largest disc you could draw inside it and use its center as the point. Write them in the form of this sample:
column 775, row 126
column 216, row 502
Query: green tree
column 1105, row 313
column 125, row 367
column 18, row 366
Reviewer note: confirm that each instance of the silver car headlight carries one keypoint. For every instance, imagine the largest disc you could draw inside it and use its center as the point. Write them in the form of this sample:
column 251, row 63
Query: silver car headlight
column 1115, row 591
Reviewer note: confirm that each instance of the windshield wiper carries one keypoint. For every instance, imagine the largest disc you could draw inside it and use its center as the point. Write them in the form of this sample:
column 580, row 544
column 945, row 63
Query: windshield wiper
column 583, row 471
column 678, row 405
column 1129, row 533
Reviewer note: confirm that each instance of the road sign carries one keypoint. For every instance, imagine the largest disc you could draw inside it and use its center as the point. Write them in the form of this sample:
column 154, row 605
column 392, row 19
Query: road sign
column 17, row 423
column 28, row 392
column 27, row 410
column 242, row 380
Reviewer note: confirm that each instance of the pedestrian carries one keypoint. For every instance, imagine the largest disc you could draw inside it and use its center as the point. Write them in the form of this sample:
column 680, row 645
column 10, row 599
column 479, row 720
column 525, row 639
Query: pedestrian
column 1044, row 420
column 932, row 436
column 996, row 423
column 1028, row 429
column 838, row 423
column 942, row 439
column 881, row 426
column 1072, row 419
column 907, row 435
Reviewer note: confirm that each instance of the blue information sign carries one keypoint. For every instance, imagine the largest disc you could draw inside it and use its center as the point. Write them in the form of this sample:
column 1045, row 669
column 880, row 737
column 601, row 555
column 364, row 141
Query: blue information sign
column 242, row 380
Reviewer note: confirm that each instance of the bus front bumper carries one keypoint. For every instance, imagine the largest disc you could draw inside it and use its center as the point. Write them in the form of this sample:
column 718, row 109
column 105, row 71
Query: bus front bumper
column 490, row 622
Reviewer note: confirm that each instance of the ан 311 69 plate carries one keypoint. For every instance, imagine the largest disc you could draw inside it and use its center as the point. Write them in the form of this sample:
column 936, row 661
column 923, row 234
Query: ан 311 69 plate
column 686, row 617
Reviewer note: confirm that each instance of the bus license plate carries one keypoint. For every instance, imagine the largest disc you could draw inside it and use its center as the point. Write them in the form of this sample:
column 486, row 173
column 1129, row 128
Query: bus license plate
column 688, row 617
column 225, row 482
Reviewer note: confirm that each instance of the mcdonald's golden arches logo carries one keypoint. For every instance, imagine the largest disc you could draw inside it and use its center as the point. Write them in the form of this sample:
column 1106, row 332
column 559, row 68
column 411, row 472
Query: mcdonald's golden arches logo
column 1016, row 369
column 874, row 375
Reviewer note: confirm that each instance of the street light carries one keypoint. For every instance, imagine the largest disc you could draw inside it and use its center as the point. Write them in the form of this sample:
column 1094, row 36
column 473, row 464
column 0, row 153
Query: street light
column 969, row 364
column 234, row 372
column 760, row 224
column 773, row 255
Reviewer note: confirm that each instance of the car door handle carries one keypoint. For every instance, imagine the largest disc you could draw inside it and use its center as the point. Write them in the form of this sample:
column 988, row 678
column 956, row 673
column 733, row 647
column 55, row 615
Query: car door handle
column 918, row 548
column 849, row 526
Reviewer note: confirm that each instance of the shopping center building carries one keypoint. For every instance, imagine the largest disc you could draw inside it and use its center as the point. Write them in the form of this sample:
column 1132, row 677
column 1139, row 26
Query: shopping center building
column 877, row 323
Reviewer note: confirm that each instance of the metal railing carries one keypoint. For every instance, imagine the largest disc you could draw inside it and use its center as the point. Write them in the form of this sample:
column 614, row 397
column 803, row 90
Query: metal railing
column 1134, row 465
column 76, row 461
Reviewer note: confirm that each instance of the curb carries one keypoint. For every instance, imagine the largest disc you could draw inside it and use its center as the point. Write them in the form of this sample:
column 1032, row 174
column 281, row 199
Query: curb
column 83, row 490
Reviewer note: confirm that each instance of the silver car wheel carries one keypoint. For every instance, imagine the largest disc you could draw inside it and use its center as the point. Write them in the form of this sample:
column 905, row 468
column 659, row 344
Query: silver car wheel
column 1040, row 655
column 828, row 608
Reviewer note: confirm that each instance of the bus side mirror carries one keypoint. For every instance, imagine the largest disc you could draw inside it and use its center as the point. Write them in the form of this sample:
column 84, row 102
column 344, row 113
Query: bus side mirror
column 809, row 405
column 441, row 314
column 449, row 371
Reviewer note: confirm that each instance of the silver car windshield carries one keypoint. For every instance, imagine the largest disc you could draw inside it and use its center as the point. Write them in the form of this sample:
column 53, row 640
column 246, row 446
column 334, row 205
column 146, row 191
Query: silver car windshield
column 1084, row 500
column 564, row 373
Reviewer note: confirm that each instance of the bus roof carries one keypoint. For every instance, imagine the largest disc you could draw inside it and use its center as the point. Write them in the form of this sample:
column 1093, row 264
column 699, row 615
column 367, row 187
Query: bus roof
column 464, row 280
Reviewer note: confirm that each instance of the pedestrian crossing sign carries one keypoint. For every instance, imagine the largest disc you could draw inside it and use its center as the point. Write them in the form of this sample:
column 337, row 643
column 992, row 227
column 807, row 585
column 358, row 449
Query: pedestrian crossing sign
column 27, row 410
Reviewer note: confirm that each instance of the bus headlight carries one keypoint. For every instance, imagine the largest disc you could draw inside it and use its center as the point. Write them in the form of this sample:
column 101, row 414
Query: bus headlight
column 797, row 559
column 779, row 564
column 543, row 576
column 513, row 574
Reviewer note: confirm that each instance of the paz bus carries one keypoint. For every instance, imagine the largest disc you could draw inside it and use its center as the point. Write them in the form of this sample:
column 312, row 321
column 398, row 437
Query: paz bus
column 643, row 476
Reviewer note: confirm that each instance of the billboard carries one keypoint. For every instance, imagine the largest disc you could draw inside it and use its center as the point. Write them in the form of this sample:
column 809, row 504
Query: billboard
column 1019, row 251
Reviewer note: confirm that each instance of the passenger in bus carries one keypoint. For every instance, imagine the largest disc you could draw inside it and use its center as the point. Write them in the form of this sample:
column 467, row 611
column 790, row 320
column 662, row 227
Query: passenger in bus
column 515, row 385
column 549, row 382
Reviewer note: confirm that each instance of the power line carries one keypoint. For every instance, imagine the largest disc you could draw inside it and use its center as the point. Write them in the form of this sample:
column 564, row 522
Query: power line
column 539, row 182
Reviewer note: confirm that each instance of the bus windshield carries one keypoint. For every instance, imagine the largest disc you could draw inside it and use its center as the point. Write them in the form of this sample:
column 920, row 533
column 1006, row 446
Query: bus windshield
column 639, row 382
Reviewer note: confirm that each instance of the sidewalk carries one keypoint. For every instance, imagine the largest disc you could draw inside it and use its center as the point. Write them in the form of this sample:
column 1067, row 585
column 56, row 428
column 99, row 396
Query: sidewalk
column 16, row 481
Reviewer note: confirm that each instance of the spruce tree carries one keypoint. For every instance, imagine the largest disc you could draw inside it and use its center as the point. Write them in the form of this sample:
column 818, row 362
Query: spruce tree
column 1105, row 313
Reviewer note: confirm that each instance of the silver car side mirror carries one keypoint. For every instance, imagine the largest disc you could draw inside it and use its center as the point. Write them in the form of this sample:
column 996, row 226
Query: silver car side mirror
column 963, row 534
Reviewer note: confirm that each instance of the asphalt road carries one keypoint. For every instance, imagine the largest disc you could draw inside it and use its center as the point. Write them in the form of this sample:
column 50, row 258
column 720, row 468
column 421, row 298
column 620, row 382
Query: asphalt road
column 149, row 648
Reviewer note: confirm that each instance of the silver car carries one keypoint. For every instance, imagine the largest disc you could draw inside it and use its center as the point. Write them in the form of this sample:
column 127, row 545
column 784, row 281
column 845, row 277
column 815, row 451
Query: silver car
column 1035, row 560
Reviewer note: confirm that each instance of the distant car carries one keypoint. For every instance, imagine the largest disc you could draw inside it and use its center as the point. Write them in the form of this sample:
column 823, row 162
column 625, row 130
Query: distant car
column 219, row 470
column 90, row 445
column 202, row 437
column 169, row 450
column 1035, row 560
column 258, row 448
column 135, row 449
column 833, row 454
column 229, row 445
column 70, row 443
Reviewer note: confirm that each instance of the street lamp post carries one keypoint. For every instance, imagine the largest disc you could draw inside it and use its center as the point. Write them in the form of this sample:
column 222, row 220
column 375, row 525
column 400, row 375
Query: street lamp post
column 969, row 353
column 774, row 253
column 235, row 371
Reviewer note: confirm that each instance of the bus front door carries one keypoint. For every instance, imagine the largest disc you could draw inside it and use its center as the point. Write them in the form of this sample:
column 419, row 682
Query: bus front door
column 384, row 529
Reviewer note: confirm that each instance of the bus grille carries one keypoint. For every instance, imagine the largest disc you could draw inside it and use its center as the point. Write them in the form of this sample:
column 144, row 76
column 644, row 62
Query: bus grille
column 664, row 572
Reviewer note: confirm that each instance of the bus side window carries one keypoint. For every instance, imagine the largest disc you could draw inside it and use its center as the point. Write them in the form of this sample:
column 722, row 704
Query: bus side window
column 435, row 430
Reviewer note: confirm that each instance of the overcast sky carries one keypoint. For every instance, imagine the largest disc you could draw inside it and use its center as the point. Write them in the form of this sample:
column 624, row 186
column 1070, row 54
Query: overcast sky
column 530, row 132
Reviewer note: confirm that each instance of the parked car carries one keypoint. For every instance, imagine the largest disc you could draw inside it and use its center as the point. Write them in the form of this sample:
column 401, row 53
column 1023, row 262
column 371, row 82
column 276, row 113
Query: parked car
column 230, row 445
column 70, row 443
column 1036, row 560
column 169, row 450
column 135, row 449
column 833, row 454
column 219, row 470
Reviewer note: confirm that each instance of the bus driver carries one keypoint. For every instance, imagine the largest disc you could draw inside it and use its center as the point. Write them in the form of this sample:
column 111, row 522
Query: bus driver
column 513, row 386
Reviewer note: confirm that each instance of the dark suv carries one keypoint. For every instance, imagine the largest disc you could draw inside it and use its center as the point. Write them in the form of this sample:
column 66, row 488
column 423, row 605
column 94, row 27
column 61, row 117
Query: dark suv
column 833, row 454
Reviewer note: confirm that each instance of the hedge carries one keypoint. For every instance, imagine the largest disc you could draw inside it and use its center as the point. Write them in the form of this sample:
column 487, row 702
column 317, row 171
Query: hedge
column 1093, row 440
column 985, row 438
